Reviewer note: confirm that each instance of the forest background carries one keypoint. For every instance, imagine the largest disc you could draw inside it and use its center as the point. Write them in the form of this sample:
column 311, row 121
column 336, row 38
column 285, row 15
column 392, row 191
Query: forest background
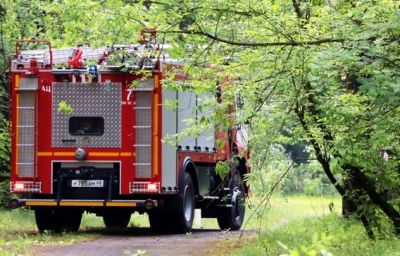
column 317, row 82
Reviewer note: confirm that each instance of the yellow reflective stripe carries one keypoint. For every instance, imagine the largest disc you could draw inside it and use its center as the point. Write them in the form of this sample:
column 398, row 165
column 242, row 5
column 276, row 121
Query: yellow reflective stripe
column 121, row 204
column 16, row 81
column 64, row 153
column 90, row 154
column 44, row 153
column 40, row 203
column 103, row 154
column 80, row 203
column 155, row 123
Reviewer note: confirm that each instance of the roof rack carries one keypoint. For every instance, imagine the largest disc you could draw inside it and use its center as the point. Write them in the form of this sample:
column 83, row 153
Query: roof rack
column 143, row 55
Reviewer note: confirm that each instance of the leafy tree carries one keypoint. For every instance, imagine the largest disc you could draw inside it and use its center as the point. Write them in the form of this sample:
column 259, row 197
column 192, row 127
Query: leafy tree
column 327, row 71
column 4, row 137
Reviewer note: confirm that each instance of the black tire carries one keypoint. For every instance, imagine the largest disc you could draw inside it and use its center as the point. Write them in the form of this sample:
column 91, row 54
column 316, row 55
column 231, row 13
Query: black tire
column 179, row 220
column 116, row 218
column 71, row 218
column 232, row 218
column 160, row 222
column 186, row 204
column 48, row 219
column 58, row 219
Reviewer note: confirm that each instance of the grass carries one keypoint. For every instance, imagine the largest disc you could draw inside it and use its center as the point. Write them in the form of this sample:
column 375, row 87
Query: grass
column 282, row 210
column 294, row 225
column 308, row 226
column 328, row 235
column 18, row 232
column 278, row 212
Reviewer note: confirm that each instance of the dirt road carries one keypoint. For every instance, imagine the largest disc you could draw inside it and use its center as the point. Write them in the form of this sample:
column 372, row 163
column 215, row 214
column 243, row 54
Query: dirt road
column 131, row 241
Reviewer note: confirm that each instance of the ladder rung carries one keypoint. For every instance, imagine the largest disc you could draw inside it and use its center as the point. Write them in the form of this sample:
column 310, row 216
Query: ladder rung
column 142, row 164
column 142, row 127
column 24, row 163
column 25, row 145
column 142, row 145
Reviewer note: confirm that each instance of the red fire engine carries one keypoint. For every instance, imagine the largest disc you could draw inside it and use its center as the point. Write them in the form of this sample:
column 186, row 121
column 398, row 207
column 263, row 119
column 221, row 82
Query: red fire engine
column 85, row 139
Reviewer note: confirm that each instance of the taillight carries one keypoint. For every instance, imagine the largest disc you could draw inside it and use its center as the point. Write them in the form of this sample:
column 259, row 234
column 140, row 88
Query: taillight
column 152, row 187
column 144, row 187
column 19, row 186
column 25, row 187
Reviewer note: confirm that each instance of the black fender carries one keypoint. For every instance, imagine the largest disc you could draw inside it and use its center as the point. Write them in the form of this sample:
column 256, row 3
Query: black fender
column 190, row 167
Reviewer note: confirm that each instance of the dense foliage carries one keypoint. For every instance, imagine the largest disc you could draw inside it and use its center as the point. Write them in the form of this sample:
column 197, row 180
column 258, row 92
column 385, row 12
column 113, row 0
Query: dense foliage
column 331, row 236
column 324, row 72
column 299, row 178
column 4, row 136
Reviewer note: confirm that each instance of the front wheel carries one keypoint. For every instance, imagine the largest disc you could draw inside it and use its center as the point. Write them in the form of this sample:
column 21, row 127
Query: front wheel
column 232, row 217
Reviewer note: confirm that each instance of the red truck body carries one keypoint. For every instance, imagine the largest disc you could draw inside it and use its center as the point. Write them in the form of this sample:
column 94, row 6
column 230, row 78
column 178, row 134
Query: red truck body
column 85, row 139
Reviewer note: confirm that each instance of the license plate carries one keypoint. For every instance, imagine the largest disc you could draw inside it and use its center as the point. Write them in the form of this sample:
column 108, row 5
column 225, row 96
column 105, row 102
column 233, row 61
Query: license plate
column 87, row 183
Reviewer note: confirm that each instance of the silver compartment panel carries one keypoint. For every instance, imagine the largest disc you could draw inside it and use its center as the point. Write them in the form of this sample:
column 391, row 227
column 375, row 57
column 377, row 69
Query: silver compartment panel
column 87, row 99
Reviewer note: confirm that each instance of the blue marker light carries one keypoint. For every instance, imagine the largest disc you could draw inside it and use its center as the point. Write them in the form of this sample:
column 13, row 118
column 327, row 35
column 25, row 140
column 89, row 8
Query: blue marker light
column 92, row 70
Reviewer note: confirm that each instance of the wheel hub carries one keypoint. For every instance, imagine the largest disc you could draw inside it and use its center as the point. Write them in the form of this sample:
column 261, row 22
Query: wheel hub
column 237, row 203
column 188, row 204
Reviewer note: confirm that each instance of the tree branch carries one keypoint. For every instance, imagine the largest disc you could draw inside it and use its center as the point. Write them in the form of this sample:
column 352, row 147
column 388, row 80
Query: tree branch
column 265, row 44
column 240, row 13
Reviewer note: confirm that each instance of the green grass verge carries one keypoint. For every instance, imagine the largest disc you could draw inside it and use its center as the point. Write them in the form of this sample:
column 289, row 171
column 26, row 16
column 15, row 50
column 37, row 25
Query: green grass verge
column 309, row 226
column 294, row 225
column 282, row 210
column 328, row 235
column 18, row 232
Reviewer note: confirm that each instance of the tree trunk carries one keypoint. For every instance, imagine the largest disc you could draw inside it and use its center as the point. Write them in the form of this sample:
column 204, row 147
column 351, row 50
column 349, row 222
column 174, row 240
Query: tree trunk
column 348, row 208
column 326, row 167
column 378, row 199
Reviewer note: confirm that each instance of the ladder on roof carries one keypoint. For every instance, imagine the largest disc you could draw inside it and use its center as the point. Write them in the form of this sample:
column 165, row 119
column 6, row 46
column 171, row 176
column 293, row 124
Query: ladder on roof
column 89, row 53
column 61, row 55
column 138, row 52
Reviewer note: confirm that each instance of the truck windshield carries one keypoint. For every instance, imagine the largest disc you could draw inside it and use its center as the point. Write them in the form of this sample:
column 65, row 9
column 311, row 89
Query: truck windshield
column 84, row 125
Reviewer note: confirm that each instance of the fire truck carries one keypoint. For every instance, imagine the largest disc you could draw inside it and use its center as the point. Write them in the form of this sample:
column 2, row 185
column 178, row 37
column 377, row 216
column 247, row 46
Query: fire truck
column 85, row 139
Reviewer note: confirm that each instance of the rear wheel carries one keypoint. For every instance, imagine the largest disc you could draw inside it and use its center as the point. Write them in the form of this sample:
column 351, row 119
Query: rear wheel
column 180, row 220
column 116, row 218
column 72, row 219
column 232, row 218
column 160, row 222
column 58, row 219
column 47, row 219
column 186, row 201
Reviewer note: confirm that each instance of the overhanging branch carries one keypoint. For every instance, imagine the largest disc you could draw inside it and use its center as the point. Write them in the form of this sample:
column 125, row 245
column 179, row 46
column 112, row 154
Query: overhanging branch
column 267, row 44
